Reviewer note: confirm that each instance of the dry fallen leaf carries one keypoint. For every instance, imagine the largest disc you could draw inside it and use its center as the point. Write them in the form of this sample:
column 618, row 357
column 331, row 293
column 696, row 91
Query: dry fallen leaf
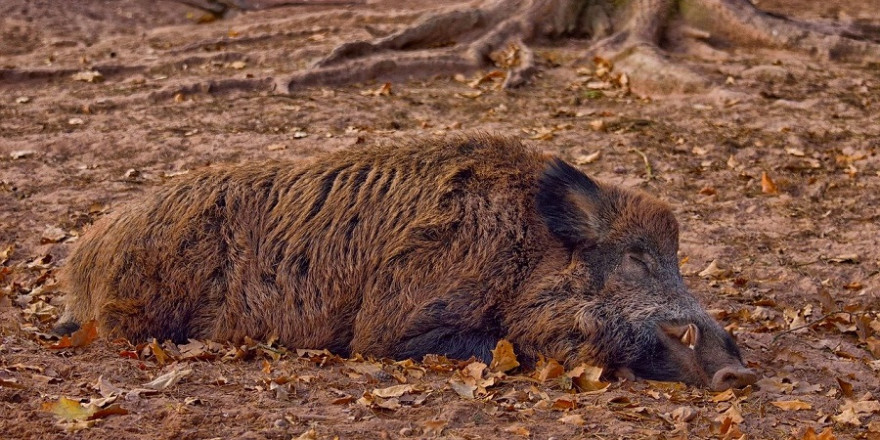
column 503, row 357
column 714, row 271
column 80, row 338
column 107, row 389
column 474, row 370
column 548, row 369
column 565, row 403
column 573, row 419
column 383, row 90
column 791, row 405
column 873, row 346
column 724, row 396
column 192, row 350
column 393, row 391
column 462, row 389
column 542, row 133
column 372, row 401
column 767, row 184
column 109, row 411
column 70, row 410
column 587, row 378
column 518, row 430
column 470, row 95
column 92, row 76
column 8, row 380
column 684, row 414
column 469, row 381
column 311, row 434
column 161, row 357
column 847, row 416
column 344, row 400
column 845, row 387
column 845, row 258
column 852, row 411
column 734, row 413
column 797, row 152
column 826, row 434
column 21, row 154
column 5, row 253
column 168, row 379
column 67, row 409
column 52, row 234
column 434, row 427
column 493, row 75
column 586, row 159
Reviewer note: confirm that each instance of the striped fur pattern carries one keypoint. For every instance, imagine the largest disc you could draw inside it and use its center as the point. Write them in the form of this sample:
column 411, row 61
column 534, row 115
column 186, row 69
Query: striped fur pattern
column 440, row 246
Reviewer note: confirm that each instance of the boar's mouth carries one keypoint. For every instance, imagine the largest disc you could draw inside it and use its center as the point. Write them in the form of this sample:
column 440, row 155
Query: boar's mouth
column 685, row 353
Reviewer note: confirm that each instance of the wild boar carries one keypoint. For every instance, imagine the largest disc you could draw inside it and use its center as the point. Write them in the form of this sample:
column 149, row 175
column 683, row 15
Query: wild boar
column 444, row 247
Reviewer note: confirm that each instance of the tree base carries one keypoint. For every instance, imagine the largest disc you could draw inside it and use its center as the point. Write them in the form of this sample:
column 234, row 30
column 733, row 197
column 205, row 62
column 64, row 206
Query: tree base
column 635, row 35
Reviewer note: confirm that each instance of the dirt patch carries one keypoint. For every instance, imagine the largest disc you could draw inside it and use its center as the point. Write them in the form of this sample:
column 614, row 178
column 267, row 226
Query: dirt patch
column 775, row 176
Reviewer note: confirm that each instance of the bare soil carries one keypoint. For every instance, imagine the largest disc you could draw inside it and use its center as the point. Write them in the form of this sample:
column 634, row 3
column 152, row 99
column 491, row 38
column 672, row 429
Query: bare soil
column 774, row 176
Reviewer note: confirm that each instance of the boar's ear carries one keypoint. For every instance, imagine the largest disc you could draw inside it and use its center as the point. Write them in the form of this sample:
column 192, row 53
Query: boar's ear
column 569, row 201
column 687, row 334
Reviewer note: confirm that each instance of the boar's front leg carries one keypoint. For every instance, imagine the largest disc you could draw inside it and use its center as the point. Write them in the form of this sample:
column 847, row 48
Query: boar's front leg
column 454, row 343
column 554, row 325
column 454, row 327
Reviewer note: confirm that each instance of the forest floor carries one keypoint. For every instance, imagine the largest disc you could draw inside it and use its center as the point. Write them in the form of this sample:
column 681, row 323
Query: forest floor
column 774, row 176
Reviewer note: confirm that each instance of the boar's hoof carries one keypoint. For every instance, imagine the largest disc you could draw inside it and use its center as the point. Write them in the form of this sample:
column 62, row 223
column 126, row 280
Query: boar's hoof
column 65, row 328
column 624, row 373
column 733, row 377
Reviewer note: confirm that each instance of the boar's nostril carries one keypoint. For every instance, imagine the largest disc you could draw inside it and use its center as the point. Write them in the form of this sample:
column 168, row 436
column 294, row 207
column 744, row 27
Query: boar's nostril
column 733, row 377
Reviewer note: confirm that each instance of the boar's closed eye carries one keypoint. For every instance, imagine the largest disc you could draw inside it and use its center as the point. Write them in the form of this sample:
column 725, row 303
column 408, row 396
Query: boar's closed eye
column 640, row 260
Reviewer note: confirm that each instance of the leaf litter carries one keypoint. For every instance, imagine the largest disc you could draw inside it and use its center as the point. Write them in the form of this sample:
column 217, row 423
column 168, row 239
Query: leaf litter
column 826, row 358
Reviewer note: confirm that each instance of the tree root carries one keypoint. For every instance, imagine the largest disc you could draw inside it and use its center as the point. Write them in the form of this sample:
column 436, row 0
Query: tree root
column 741, row 23
column 423, row 49
column 219, row 8
column 629, row 33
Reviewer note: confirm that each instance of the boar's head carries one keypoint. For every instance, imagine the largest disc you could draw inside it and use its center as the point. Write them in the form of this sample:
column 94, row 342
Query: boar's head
column 639, row 317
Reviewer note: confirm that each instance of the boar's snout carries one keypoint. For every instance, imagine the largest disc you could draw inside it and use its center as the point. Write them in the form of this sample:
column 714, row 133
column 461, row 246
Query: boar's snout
column 733, row 377
column 703, row 355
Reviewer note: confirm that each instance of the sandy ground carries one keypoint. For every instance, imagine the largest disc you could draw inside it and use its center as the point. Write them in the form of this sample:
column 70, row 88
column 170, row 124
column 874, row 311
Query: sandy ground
column 774, row 176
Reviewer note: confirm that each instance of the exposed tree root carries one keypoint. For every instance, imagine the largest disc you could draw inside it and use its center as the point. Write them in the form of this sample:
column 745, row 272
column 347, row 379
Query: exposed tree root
column 218, row 8
column 636, row 35
column 215, row 87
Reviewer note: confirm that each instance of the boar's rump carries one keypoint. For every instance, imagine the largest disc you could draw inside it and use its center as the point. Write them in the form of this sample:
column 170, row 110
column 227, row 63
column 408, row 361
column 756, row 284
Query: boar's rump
column 440, row 246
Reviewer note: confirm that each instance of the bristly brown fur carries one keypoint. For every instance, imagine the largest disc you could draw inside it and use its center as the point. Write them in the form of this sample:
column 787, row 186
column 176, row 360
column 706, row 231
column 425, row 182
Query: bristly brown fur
column 441, row 247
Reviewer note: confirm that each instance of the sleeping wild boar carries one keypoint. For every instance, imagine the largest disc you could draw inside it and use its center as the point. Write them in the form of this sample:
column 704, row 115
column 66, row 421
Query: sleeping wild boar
column 444, row 247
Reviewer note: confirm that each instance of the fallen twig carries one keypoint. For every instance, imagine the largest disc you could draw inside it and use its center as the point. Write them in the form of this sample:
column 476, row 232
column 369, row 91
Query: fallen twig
column 648, row 170
column 812, row 323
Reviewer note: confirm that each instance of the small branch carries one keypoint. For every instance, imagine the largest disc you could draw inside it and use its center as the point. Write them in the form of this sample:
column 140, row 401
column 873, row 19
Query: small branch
column 814, row 322
column 219, row 7
column 263, row 346
column 648, row 170
column 804, row 263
